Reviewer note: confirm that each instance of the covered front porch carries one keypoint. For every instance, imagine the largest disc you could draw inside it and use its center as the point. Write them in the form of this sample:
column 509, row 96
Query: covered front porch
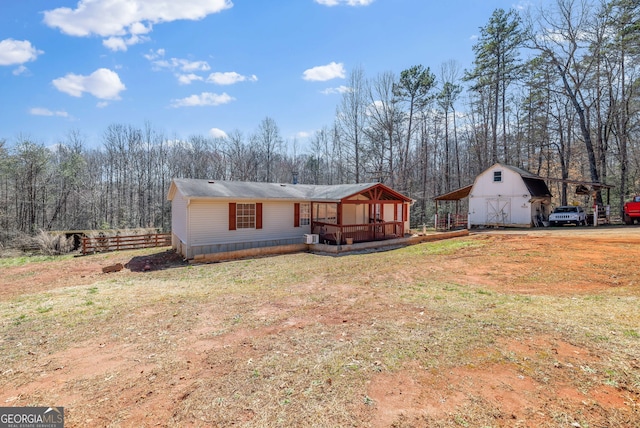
column 375, row 214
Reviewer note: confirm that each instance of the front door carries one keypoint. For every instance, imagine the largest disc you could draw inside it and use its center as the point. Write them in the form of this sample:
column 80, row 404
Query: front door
column 498, row 211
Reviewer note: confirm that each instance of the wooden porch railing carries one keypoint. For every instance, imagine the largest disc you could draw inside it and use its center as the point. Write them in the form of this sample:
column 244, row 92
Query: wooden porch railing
column 335, row 233
column 114, row 243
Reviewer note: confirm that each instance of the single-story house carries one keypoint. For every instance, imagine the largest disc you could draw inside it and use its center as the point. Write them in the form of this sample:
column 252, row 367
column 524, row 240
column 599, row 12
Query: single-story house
column 505, row 195
column 211, row 216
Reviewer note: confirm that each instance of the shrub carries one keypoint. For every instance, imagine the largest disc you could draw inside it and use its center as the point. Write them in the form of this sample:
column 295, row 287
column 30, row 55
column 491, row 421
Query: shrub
column 53, row 243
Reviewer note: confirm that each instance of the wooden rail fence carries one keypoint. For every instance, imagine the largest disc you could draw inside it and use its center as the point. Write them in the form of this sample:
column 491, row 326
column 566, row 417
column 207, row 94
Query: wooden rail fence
column 100, row 244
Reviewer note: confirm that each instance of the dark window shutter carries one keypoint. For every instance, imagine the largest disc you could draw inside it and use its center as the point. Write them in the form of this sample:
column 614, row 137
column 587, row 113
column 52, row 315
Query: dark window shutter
column 259, row 215
column 232, row 216
column 296, row 215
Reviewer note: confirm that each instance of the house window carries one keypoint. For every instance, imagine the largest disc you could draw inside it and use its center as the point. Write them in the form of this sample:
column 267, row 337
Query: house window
column 305, row 214
column 326, row 213
column 497, row 176
column 246, row 216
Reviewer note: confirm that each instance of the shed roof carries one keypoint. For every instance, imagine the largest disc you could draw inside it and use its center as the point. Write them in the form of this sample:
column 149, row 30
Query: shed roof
column 537, row 187
column 215, row 189
column 521, row 172
column 455, row 195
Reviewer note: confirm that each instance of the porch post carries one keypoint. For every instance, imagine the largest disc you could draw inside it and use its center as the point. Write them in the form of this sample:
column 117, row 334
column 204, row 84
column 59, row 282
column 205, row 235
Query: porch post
column 311, row 219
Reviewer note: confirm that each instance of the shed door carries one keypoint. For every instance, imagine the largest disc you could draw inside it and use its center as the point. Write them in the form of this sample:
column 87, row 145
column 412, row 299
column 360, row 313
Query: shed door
column 498, row 211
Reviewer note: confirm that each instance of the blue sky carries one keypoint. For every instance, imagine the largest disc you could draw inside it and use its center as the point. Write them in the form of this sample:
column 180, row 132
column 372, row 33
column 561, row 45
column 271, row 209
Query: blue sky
column 208, row 67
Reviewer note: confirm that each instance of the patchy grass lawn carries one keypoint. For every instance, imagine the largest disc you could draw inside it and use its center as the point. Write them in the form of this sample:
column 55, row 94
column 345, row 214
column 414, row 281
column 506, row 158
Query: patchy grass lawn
column 490, row 330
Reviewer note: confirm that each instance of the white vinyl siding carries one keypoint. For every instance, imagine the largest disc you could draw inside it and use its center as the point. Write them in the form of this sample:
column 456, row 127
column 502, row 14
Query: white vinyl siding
column 179, row 217
column 210, row 223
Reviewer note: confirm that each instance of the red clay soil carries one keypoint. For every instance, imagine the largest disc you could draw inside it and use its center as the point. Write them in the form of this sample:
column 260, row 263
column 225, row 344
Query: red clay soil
column 411, row 397
column 80, row 270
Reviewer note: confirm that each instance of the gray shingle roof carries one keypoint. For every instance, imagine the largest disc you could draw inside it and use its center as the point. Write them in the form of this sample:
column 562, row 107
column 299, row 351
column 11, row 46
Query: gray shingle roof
column 535, row 184
column 522, row 172
column 208, row 189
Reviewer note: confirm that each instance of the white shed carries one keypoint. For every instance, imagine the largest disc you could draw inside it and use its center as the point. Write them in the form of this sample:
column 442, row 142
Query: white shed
column 505, row 195
column 210, row 216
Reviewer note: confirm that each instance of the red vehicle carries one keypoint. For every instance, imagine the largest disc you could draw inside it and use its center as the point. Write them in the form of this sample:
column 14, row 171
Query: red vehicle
column 632, row 210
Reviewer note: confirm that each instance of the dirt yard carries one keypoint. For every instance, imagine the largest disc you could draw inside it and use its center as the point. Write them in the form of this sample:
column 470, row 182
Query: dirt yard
column 359, row 340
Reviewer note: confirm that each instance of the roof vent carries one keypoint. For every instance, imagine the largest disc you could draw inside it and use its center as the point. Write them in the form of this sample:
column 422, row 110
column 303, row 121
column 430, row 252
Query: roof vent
column 283, row 185
column 211, row 182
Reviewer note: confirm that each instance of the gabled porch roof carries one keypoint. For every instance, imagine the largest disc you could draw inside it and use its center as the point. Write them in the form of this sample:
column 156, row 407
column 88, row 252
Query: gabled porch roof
column 348, row 193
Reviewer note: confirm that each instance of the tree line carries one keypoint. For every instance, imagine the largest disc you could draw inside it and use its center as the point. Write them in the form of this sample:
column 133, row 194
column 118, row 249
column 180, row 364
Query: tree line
column 553, row 91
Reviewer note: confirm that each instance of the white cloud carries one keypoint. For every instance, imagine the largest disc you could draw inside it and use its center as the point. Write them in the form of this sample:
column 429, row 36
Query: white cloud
column 186, row 79
column 217, row 133
column 115, row 44
column 20, row 70
column 323, row 73
column 339, row 90
column 184, row 65
column 137, row 35
column 347, row 2
column 17, row 52
column 41, row 111
column 184, row 68
column 303, row 134
column 229, row 78
column 204, row 99
column 122, row 44
column 127, row 19
column 102, row 83
column 523, row 5
column 155, row 55
column 377, row 107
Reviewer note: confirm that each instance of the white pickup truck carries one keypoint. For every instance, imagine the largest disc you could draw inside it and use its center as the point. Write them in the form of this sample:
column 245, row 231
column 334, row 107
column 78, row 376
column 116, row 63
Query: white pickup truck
column 568, row 215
